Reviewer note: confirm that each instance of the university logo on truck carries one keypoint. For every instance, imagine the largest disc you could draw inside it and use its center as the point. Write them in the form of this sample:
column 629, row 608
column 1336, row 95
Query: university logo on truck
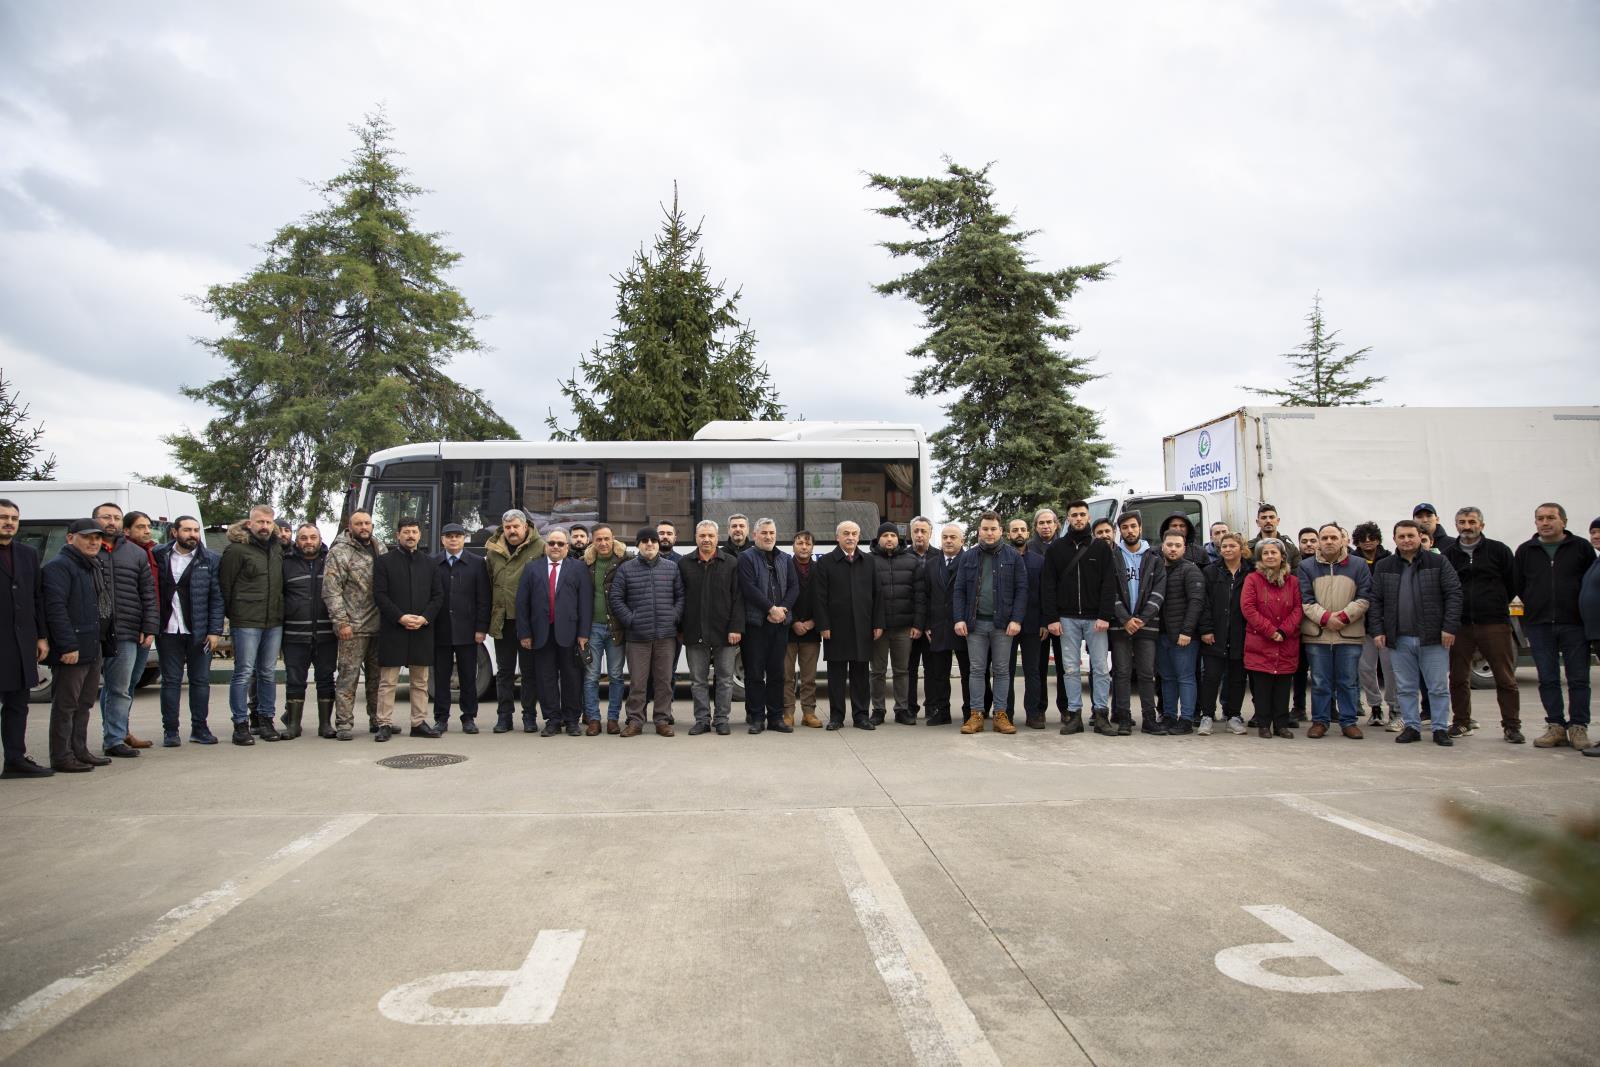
column 1204, row 460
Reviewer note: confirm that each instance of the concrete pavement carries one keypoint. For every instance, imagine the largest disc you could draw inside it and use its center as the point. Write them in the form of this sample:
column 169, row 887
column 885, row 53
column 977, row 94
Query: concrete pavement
column 905, row 896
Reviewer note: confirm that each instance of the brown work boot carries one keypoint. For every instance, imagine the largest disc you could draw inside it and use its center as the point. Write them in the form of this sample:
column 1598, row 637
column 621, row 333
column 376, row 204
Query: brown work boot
column 592, row 729
column 631, row 730
column 134, row 742
column 1353, row 732
column 788, row 718
column 1555, row 736
column 1578, row 737
column 612, row 727
column 1002, row 723
column 664, row 729
column 974, row 723
column 1318, row 729
column 809, row 719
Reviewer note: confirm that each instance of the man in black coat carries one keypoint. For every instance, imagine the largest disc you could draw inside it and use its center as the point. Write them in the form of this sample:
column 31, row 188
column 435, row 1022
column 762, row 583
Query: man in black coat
column 851, row 619
column 22, row 642
column 460, row 628
column 1549, row 574
column 79, row 611
column 1415, row 611
column 1486, row 570
column 406, row 588
column 308, row 639
column 939, row 577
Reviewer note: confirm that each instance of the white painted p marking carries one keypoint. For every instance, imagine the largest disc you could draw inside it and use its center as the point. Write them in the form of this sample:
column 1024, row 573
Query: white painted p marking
column 1358, row 972
column 531, row 991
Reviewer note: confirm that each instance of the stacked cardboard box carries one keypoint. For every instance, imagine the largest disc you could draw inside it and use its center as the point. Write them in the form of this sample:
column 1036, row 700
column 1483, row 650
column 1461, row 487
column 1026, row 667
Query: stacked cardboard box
column 668, row 497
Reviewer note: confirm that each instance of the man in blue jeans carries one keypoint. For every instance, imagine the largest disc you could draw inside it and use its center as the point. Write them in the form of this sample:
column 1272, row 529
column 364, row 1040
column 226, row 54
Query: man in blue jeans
column 1335, row 592
column 126, row 568
column 1415, row 612
column 251, row 577
column 1076, row 599
column 603, row 556
column 1177, row 639
column 988, row 603
column 191, row 628
column 1547, row 572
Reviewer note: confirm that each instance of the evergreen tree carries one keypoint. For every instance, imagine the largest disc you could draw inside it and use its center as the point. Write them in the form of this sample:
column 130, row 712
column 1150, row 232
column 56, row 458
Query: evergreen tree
column 1322, row 378
column 1015, row 439
column 337, row 347
column 19, row 442
column 679, row 357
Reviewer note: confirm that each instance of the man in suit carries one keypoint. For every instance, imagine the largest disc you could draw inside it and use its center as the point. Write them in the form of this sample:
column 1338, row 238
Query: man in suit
column 460, row 628
column 191, row 628
column 848, row 613
column 939, row 571
column 408, row 594
column 555, row 610
column 22, row 642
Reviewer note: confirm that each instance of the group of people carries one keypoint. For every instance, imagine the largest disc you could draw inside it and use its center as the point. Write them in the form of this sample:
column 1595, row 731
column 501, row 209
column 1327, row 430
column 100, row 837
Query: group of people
column 1189, row 624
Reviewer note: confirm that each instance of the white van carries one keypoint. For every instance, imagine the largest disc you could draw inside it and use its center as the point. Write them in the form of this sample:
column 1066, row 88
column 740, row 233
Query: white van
column 48, row 507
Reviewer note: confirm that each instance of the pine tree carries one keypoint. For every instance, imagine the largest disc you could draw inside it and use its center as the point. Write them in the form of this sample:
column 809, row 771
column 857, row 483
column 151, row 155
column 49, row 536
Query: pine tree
column 679, row 356
column 19, row 442
column 337, row 347
column 1322, row 378
column 1015, row 439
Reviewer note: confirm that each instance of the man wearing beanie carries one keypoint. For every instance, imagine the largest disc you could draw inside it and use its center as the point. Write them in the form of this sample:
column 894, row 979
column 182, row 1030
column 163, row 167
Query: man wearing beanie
column 647, row 598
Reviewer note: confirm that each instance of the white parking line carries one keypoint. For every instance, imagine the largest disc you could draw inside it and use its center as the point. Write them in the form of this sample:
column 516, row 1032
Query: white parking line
column 938, row 1025
column 37, row 1014
column 1492, row 873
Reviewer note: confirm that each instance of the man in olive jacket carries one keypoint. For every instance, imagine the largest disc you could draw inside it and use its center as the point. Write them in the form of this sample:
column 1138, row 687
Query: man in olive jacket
column 251, row 577
column 408, row 593
column 507, row 553
column 347, row 591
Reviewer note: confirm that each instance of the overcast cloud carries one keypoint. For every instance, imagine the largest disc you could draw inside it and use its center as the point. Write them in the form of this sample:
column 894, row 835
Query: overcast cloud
column 1429, row 167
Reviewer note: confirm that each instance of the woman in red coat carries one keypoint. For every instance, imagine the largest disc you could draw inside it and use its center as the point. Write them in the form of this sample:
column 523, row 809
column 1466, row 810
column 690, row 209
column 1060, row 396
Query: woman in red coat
column 1271, row 606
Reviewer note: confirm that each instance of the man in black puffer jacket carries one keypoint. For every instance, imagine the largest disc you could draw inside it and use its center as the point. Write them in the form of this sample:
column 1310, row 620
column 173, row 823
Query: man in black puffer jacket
column 903, row 596
column 647, row 598
column 1549, row 570
column 1177, row 645
column 1415, row 611
column 308, row 639
column 1077, row 589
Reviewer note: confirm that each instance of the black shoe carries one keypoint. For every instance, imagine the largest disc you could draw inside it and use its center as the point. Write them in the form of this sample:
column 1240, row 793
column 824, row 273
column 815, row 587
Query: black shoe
column 502, row 724
column 241, row 734
column 202, row 735
column 469, row 726
column 422, row 729
column 122, row 751
column 864, row 724
column 170, row 739
column 1442, row 737
column 25, row 768
column 699, row 728
column 781, row 727
column 1282, row 730
column 939, row 718
column 1514, row 737
column 670, row 720
column 1072, row 723
column 905, row 718
column 1154, row 727
column 384, row 732
column 1125, row 728
column 530, row 726
column 91, row 759
column 1263, row 730
column 574, row 730
column 1406, row 736
column 756, row 727
column 551, row 728
column 722, row 728
column 876, row 718
column 266, row 732
column 372, row 725
column 442, row 725
column 1181, row 727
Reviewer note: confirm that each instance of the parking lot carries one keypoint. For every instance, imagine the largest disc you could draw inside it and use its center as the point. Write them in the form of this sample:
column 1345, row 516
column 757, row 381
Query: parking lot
column 905, row 896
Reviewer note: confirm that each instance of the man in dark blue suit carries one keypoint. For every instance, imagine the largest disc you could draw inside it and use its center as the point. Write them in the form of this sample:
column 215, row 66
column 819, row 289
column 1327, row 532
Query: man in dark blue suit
column 555, row 610
column 460, row 627
column 22, row 642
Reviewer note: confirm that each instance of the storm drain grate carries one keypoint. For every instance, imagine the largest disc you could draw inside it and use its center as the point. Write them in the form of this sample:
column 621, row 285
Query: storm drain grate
column 417, row 761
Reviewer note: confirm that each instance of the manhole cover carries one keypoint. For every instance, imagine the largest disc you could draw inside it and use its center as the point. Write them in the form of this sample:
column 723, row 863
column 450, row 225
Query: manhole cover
column 416, row 761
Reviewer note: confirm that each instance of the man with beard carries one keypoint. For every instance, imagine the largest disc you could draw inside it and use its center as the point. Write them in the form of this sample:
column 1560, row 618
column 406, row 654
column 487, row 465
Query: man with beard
column 191, row 628
column 347, row 591
column 1488, row 584
column 1075, row 601
column 23, row 642
column 1267, row 524
column 738, row 535
column 308, row 640
column 126, row 566
column 409, row 595
column 506, row 553
column 991, row 599
column 713, row 625
column 666, row 536
column 251, row 576
column 900, row 595
column 1046, row 532
column 1034, row 638
column 1427, row 520
column 579, row 535
column 769, row 586
column 800, row 659
column 851, row 619
column 1138, row 594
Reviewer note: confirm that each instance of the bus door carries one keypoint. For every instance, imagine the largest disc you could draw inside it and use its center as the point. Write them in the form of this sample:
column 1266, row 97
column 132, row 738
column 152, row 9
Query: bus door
column 392, row 502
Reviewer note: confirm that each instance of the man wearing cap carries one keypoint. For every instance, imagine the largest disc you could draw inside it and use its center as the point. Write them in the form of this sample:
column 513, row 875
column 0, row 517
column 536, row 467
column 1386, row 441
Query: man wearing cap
column 555, row 611
column 902, row 599
column 647, row 598
column 79, row 611
column 1427, row 520
column 22, row 642
column 462, row 623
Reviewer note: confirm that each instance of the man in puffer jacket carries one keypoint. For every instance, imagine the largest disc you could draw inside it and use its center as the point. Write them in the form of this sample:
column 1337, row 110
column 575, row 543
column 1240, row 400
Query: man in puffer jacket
column 1136, row 607
column 647, row 599
column 1416, row 610
column 251, row 578
column 1177, row 645
column 125, row 566
column 904, row 602
column 1335, row 590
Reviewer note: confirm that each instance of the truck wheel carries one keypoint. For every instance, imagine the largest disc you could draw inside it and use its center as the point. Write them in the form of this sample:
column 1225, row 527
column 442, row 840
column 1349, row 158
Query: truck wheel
column 1480, row 676
column 40, row 694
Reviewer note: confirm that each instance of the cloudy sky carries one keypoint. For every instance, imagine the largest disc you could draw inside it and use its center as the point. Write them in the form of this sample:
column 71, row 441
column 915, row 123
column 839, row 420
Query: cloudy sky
column 1429, row 167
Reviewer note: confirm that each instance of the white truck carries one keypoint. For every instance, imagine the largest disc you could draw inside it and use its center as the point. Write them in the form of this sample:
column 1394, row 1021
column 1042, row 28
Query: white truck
column 1351, row 464
column 48, row 507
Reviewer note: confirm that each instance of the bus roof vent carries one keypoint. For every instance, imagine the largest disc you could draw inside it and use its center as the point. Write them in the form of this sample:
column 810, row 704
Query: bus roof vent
column 865, row 430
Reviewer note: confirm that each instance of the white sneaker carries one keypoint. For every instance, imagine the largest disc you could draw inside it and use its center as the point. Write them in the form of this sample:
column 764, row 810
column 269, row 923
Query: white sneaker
column 1395, row 725
column 1204, row 729
column 1235, row 725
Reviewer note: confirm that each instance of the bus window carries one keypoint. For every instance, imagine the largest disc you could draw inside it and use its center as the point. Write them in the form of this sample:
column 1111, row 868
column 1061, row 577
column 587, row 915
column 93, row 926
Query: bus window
column 865, row 492
column 644, row 494
column 554, row 494
column 46, row 538
column 755, row 490
column 476, row 494
column 390, row 504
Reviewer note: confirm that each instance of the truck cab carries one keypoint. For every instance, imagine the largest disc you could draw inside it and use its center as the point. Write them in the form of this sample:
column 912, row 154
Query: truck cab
column 1201, row 509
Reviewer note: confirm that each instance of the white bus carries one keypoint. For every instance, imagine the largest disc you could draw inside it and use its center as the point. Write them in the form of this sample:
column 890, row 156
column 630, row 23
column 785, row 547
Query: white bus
column 802, row 475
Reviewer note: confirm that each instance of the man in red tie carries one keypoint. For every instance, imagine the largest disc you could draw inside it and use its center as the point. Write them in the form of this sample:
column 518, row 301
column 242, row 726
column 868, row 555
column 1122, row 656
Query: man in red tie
column 555, row 610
